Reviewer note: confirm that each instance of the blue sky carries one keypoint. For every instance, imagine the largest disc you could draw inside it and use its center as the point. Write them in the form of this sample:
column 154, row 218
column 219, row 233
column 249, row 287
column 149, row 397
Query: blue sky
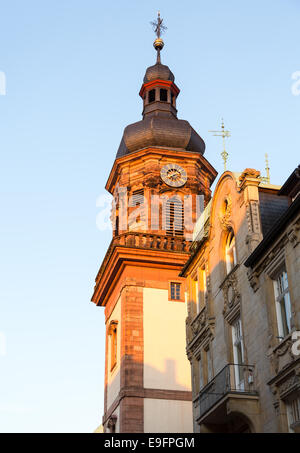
column 73, row 72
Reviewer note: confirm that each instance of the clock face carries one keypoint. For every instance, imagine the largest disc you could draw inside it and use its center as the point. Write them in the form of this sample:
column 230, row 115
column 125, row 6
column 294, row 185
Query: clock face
column 173, row 175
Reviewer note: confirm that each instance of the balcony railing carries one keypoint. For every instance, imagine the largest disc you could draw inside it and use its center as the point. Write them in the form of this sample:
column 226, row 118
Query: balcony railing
column 152, row 241
column 232, row 378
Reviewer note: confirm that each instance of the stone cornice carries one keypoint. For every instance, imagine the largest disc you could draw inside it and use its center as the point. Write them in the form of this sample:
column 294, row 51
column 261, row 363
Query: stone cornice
column 119, row 255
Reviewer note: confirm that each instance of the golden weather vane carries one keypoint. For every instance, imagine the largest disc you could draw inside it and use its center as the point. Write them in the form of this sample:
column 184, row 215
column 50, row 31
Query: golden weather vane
column 224, row 134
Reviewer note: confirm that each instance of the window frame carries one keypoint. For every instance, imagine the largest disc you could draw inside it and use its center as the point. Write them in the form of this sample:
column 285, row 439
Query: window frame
column 150, row 94
column 284, row 319
column 238, row 350
column 230, row 252
column 181, row 291
column 293, row 412
column 163, row 92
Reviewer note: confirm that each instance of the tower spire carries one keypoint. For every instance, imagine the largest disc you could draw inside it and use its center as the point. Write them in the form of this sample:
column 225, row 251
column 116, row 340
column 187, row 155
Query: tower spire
column 158, row 28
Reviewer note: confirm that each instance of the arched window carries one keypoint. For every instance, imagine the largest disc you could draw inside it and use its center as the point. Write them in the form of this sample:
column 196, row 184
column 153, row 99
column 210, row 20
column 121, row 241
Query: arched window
column 230, row 252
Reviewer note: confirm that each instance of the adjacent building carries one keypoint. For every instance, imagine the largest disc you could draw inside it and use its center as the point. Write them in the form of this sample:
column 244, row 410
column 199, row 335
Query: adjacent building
column 243, row 286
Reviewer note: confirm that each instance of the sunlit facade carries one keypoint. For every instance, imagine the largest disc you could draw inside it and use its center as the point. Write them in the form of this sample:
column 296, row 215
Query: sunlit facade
column 245, row 374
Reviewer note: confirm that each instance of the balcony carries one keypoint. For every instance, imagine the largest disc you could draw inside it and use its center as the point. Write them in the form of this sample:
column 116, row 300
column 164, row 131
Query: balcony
column 230, row 387
column 152, row 241
column 201, row 228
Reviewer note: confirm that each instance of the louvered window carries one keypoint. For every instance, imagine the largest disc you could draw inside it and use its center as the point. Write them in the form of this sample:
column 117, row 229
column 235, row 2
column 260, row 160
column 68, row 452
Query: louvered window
column 137, row 200
column 174, row 218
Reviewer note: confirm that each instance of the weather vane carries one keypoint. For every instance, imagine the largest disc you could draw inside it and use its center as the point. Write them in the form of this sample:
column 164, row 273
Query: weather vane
column 157, row 25
column 159, row 29
column 224, row 134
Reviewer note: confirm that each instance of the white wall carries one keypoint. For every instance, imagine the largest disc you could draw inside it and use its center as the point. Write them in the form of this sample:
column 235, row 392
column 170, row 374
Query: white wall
column 165, row 363
column 167, row 416
column 113, row 381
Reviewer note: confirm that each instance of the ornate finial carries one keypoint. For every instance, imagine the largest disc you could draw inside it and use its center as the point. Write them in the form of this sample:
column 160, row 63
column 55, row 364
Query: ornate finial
column 266, row 179
column 224, row 134
column 267, row 168
column 158, row 28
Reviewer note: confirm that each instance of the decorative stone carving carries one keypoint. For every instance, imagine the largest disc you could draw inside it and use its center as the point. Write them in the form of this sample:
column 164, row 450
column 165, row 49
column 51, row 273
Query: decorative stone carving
column 289, row 385
column 230, row 292
column 285, row 347
column 152, row 181
column 199, row 321
column 189, row 333
column 112, row 422
column 276, row 405
column 249, row 172
column 225, row 214
column 199, row 331
column 253, row 279
column 294, row 234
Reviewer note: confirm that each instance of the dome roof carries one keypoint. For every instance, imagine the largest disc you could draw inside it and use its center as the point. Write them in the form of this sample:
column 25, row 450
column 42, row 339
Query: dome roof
column 158, row 71
column 160, row 131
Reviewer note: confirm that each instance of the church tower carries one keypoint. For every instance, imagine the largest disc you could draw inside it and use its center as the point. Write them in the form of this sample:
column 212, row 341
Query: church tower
column 156, row 177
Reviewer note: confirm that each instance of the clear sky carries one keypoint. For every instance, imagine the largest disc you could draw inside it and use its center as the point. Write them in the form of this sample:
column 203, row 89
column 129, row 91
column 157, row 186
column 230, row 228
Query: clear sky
column 73, row 71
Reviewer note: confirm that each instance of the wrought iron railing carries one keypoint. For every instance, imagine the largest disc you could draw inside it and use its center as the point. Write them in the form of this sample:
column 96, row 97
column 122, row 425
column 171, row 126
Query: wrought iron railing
column 232, row 378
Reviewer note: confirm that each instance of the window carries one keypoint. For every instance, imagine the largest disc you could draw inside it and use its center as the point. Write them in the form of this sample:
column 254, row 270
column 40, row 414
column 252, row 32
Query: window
column 209, row 365
column 163, row 94
column 137, row 200
column 194, row 292
column 112, row 332
column 283, row 304
column 238, row 354
column 175, row 291
column 230, row 252
column 151, row 96
column 205, row 367
column 293, row 412
column 201, row 377
column 175, row 217
column 203, row 289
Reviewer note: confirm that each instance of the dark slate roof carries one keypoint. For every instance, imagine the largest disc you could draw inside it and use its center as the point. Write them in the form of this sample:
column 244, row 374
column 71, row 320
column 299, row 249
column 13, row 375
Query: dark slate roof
column 291, row 187
column 273, row 233
column 271, row 208
column 160, row 131
column 158, row 71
